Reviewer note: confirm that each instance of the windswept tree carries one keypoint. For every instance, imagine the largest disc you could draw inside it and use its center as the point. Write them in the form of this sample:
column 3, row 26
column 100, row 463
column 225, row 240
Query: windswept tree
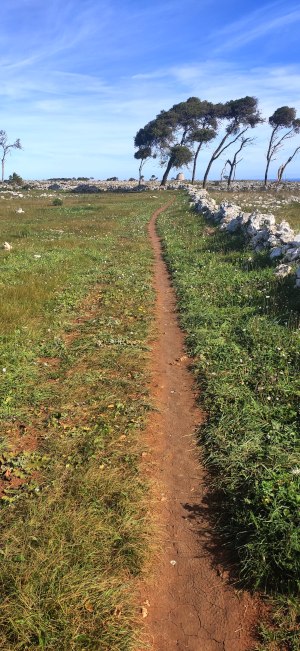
column 156, row 137
column 142, row 155
column 284, row 165
column 241, row 114
column 284, row 126
column 180, row 126
column 6, row 148
column 233, row 163
column 201, row 137
column 179, row 156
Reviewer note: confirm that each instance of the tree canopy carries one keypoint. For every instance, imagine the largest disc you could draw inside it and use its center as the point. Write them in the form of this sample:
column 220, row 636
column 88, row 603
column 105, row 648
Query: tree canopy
column 240, row 115
column 176, row 136
column 284, row 125
column 183, row 125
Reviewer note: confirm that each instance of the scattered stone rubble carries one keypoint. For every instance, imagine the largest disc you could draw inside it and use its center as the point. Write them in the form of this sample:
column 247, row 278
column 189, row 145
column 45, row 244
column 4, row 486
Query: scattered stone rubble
column 260, row 229
column 89, row 187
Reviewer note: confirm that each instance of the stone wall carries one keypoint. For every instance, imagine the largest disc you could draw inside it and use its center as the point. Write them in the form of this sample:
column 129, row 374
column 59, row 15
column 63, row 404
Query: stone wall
column 261, row 230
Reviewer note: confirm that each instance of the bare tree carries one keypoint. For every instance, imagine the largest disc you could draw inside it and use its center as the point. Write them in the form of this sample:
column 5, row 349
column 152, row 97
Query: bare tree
column 283, row 118
column 284, row 165
column 6, row 148
column 241, row 114
column 142, row 155
column 235, row 161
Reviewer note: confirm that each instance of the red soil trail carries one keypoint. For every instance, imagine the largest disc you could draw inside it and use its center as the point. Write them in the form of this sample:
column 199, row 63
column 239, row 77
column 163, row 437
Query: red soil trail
column 188, row 603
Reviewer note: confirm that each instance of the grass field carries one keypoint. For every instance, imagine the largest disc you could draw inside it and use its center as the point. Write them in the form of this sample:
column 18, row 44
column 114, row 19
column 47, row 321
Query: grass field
column 75, row 321
column 76, row 308
column 242, row 326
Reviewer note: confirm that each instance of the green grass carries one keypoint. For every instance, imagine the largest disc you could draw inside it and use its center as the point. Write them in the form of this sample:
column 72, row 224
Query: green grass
column 242, row 326
column 74, row 327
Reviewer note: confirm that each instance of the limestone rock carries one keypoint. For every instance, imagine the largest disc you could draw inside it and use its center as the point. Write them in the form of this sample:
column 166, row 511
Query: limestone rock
column 283, row 270
column 285, row 232
column 276, row 252
column 261, row 221
column 292, row 254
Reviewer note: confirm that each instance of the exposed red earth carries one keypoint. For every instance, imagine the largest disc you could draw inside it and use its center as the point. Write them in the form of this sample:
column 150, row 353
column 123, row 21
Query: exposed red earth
column 189, row 601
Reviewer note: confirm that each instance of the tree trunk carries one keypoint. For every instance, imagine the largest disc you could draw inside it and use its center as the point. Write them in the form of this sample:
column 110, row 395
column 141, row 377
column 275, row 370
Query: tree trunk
column 195, row 162
column 166, row 173
column 280, row 173
column 215, row 155
column 283, row 166
column 233, row 167
column 140, row 173
column 220, row 150
column 207, row 171
column 270, row 154
column 2, row 161
column 266, row 173
column 230, row 174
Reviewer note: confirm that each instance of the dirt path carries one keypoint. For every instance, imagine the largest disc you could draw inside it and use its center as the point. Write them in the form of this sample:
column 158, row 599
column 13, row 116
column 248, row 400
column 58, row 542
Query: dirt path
column 188, row 602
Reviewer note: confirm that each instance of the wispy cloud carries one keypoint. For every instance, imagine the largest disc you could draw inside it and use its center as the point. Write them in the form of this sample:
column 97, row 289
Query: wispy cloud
column 98, row 70
column 256, row 24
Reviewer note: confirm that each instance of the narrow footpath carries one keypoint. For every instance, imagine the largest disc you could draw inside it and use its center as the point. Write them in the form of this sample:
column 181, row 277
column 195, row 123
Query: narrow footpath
column 188, row 602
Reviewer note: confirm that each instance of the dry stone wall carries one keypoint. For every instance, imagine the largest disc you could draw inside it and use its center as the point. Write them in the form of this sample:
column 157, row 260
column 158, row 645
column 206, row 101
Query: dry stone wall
column 260, row 229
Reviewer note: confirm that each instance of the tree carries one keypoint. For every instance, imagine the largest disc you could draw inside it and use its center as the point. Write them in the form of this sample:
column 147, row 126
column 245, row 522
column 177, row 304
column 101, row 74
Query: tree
column 6, row 148
column 284, row 165
column 195, row 121
column 174, row 128
column 283, row 118
column 157, row 135
column 201, row 136
column 241, row 114
column 142, row 155
column 232, row 164
column 180, row 155
column 203, row 129
column 15, row 179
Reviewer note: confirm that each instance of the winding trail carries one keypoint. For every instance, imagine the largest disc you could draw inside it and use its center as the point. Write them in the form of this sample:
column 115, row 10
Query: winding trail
column 189, row 604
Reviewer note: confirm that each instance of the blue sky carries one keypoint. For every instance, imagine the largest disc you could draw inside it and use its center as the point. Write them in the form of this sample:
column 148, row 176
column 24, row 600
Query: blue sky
column 79, row 78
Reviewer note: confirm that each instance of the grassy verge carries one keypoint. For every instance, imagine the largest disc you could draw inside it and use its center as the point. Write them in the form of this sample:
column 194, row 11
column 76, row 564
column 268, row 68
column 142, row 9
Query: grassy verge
column 242, row 326
column 76, row 302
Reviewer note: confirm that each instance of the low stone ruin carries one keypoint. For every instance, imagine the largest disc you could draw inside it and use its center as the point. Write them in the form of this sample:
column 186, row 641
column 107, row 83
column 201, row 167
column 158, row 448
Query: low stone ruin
column 261, row 230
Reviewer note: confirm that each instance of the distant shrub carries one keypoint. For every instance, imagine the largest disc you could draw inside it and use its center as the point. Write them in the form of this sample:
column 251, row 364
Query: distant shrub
column 113, row 178
column 15, row 179
column 57, row 202
column 62, row 178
